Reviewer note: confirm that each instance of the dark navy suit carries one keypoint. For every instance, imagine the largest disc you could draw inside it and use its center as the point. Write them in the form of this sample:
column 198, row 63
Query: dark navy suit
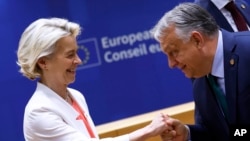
column 219, row 17
column 210, row 123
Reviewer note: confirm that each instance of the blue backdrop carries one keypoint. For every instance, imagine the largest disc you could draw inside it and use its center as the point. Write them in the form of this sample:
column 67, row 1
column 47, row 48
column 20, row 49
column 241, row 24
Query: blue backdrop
column 124, row 74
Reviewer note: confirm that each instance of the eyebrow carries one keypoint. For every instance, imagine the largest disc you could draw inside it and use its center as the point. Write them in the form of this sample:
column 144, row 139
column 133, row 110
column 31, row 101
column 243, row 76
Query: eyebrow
column 71, row 51
column 167, row 47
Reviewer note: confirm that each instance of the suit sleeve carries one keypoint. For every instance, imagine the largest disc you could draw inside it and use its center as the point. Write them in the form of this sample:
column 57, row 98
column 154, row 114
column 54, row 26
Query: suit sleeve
column 198, row 131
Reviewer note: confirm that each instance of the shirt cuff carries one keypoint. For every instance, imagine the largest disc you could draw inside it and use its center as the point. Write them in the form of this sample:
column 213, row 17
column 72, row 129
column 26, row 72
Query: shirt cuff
column 189, row 135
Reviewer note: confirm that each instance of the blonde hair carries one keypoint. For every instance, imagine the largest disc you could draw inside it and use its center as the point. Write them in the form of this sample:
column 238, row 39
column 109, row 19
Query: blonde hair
column 38, row 40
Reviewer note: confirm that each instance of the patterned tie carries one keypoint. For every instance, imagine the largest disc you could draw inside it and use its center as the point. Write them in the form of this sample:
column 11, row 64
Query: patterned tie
column 220, row 96
column 237, row 17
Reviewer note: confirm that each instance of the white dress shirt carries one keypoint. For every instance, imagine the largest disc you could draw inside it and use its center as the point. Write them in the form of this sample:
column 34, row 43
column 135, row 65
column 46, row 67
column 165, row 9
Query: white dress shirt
column 218, row 64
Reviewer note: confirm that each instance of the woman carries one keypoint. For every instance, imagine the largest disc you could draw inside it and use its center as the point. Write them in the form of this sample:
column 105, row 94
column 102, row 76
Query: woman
column 48, row 52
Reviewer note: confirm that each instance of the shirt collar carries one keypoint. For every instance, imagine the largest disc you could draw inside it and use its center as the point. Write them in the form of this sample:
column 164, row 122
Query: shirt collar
column 220, row 3
column 218, row 62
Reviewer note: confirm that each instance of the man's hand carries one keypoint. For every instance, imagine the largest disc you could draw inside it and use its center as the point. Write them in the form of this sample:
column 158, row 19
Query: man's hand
column 178, row 132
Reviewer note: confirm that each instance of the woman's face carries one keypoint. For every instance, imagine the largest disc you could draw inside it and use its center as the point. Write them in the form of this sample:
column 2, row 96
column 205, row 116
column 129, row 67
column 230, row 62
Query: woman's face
column 61, row 65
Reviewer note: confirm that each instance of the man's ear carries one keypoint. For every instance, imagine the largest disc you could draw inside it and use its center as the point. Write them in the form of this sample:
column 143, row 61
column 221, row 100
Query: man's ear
column 42, row 63
column 197, row 38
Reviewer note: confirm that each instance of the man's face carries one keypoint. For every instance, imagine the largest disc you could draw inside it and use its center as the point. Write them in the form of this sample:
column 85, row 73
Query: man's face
column 186, row 56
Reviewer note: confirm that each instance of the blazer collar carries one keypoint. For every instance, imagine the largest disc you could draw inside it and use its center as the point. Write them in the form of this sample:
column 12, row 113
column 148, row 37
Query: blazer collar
column 230, row 72
column 58, row 105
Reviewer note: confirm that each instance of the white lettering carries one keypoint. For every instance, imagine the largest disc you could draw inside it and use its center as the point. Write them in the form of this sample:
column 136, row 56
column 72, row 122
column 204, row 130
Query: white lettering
column 239, row 132
column 154, row 48
column 125, row 39
column 104, row 42
column 110, row 57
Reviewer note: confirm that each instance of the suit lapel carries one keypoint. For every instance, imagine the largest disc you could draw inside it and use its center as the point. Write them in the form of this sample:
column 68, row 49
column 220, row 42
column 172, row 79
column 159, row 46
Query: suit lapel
column 84, row 107
column 244, row 10
column 61, row 107
column 208, row 107
column 219, row 17
column 230, row 74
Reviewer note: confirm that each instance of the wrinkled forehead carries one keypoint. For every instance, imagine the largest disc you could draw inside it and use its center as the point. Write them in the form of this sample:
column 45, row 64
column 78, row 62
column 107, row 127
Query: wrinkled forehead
column 165, row 32
column 169, row 38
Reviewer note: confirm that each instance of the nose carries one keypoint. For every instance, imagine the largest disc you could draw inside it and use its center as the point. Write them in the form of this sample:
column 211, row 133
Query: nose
column 172, row 62
column 77, row 60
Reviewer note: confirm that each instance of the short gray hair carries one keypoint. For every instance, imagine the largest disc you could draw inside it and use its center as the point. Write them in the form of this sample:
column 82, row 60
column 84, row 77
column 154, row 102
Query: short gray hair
column 186, row 17
column 38, row 40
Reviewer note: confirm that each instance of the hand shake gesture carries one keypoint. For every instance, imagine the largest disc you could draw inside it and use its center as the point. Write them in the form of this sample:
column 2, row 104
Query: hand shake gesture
column 176, row 131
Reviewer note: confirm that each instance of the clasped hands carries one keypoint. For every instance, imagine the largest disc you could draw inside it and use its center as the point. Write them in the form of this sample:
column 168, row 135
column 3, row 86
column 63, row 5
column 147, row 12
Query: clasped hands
column 168, row 128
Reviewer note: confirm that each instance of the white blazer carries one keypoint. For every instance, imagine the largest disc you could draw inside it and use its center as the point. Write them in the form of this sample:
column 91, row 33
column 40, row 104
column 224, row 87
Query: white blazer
column 48, row 117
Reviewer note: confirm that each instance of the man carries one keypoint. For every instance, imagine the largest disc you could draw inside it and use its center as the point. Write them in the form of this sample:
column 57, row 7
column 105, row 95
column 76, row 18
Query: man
column 222, row 15
column 194, row 43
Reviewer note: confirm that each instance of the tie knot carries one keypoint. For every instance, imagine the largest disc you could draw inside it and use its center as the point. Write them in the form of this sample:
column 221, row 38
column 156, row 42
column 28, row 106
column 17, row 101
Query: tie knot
column 231, row 6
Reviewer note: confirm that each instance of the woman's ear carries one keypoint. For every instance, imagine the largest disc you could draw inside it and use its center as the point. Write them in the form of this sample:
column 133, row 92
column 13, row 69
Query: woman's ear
column 197, row 38
column 42, row 63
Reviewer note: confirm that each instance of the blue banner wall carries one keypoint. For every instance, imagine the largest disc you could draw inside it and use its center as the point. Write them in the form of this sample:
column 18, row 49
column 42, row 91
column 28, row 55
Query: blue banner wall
column 124, row 72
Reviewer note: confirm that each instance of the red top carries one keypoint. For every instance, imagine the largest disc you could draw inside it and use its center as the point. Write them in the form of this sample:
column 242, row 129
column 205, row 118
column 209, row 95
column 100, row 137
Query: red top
column 83, row 118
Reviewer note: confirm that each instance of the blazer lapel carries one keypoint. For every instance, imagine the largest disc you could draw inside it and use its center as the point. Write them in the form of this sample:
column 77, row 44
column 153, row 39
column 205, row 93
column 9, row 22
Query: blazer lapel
column 230, row 74
column 83, row 105
column 208, row 107
column 61, row 107
column 219, row 17
column 244, row 10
